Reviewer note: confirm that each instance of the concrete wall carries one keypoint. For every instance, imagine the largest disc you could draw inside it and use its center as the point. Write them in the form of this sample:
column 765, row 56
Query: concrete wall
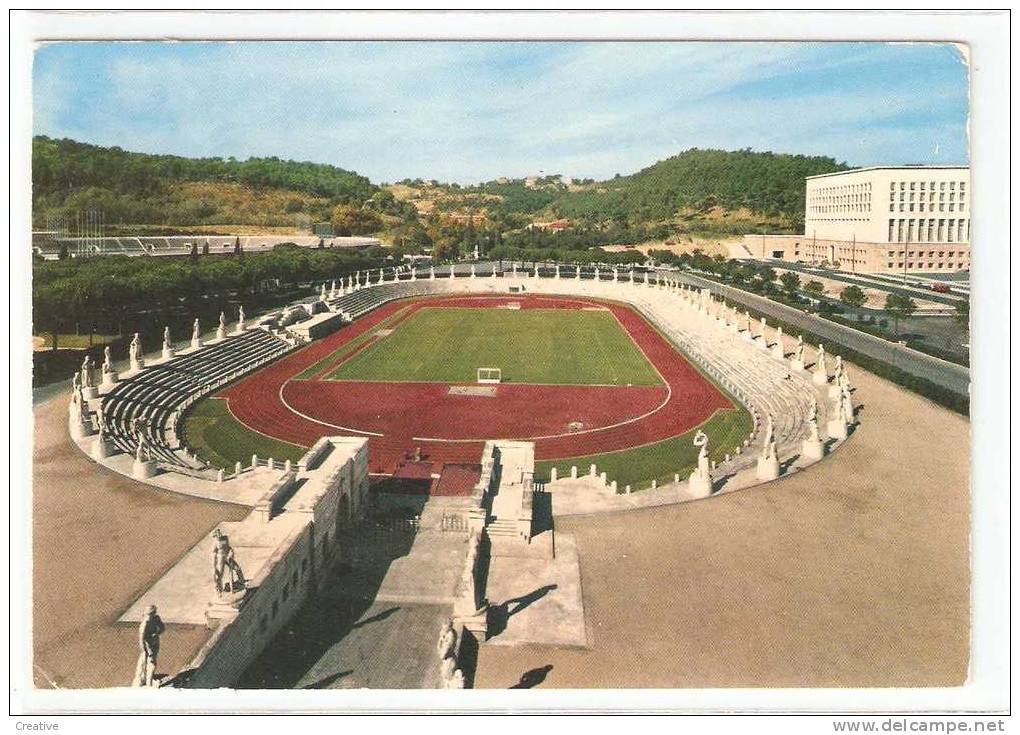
column 303, row 538
column 861, row 257
column 235, row 645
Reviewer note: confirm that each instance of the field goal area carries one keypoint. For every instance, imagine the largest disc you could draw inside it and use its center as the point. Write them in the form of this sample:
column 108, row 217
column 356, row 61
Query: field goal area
column 488, row 375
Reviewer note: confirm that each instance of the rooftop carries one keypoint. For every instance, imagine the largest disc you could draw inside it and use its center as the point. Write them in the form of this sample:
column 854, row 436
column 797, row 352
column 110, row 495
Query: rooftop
column 888, row 168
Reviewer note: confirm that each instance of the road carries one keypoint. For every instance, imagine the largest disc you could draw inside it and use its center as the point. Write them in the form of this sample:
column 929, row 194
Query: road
column 945, row 374
column 865, row 280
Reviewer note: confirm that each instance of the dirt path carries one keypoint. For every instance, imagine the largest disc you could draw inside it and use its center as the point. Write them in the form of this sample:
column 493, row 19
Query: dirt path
column 99, row 541
column 853, row 573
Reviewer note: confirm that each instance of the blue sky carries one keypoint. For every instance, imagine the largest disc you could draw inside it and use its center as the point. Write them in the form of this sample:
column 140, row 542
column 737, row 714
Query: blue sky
column 470, row 112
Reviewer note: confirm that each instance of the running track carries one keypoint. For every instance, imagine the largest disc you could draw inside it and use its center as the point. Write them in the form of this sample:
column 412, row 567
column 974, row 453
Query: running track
column 452, row 428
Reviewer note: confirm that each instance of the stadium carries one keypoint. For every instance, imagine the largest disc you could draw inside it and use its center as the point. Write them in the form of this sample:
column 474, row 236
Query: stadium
column 468, row 409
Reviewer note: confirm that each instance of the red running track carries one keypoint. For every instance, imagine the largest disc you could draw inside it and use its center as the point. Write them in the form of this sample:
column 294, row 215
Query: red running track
column 613, row 418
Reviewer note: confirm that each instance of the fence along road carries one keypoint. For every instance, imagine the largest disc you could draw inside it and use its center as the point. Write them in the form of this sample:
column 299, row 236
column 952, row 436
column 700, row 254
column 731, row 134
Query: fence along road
column 946, row 374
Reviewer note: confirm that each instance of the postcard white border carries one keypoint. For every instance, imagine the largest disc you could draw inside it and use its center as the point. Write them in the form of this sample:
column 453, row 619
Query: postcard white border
column 986, row 35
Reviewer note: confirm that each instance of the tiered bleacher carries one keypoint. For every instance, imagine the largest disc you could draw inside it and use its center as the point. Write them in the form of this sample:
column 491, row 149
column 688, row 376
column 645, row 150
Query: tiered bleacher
column 152, row 400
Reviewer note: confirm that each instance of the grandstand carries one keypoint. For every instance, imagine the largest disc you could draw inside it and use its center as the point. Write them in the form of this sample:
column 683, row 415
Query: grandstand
column 152, row 402
column 48, row 244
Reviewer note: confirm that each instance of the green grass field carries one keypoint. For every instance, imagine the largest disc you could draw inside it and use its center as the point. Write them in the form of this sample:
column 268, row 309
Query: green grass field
column 552, row 346
column 213, row 432
column 637, row 467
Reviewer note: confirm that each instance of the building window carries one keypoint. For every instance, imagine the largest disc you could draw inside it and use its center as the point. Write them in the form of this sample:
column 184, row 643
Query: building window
column 901, row 206
column 920, row 206
column 959, row 232
column 942, row 231
column 889, row 265
column 942, row 186
column 903, row 185
column 952, row 184
column 899, row 231
column 892, row 227
column 963, row 185
column 950, row 231
column 911, row 185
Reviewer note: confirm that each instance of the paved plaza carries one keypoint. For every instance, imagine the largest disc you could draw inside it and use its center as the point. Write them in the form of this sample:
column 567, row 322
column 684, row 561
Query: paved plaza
column 99, row 541
column 852, row 573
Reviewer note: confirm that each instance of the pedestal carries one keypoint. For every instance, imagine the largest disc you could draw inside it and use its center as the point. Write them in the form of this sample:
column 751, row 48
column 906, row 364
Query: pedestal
column 777, row 351
column 143, row 470
column 102, row 448
column 768, row 468
column 137, row 365
column 835, row 390
column 819, row 377
column 90, row 393
column 78, row 429
column 797, row 365
column 168, row 353
column 477, row 622
column 812, row 449
column 196, row 343
column 836, row 428
column 700, row 486
column 224, row 608
column 221, row 333
column 109, row 380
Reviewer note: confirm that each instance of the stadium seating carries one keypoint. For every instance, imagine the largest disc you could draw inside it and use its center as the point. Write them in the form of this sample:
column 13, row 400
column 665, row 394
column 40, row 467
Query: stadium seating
column 153, row 400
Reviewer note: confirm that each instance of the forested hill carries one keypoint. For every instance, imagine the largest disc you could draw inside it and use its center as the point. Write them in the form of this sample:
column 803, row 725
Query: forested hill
column 130, row 187
column 770, row 184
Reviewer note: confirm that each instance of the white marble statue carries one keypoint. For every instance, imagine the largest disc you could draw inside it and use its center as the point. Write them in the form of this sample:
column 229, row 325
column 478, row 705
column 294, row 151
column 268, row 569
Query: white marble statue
column 135, row 351
column 196, row 332
column 107, row 361
column 240, row 318
column 446, row 670
column 87, row 380
column 166, row 339
column 322, row 293
column 769, row 432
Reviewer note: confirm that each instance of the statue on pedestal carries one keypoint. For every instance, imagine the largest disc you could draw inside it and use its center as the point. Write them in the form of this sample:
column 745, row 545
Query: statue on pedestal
column 240, row 318
column 196, row 332
column 87, row 380
column 701, row 441
column 322, row 293
column 227, row 575
column 107, row 361
column 149, row 630
column 798, row 353
column 135, row 351
column 167, row 344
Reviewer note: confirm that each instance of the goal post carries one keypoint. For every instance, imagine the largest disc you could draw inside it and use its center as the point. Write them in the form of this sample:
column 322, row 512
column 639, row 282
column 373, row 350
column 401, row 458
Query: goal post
column 490, row 375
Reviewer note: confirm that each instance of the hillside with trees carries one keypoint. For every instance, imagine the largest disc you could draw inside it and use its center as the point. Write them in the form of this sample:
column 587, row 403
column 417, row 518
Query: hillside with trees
column 697, row 185
column 137, row 188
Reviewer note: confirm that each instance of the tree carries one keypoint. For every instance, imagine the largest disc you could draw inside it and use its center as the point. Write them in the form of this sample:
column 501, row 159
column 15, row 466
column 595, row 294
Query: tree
column 349, row 220
column 814, row 287
column 962, row 315
column 791, row 283
column 899, row 307
column 853, row 296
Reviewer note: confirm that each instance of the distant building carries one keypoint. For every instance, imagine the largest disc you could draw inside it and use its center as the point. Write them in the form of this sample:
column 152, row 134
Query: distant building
column 554, row 226
column 566, row 180
column 882, row 219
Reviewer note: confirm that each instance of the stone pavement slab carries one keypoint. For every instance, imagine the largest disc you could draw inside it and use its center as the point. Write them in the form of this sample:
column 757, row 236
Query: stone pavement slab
column 538, row 600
